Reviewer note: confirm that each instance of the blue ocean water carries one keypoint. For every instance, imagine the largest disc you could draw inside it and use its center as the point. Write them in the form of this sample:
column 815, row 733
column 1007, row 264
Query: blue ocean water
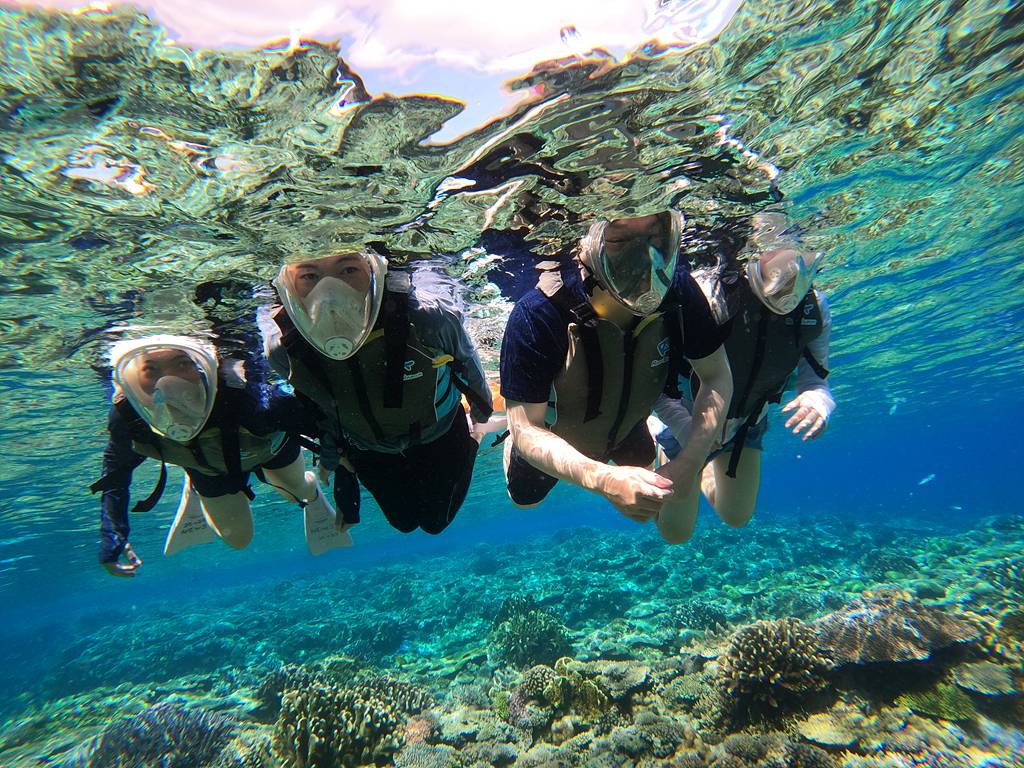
column 894, row 133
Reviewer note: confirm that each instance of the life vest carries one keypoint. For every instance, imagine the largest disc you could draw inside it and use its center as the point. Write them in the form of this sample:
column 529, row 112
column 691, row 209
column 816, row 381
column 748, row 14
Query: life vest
column 763, row 349
column 392, row 389
column 222, row 447
column 612, row 376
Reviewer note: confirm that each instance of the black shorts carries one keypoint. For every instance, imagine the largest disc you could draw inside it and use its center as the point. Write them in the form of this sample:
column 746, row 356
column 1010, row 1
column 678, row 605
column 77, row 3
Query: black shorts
column 528, row 485
column 425, row 485
column 212, row 486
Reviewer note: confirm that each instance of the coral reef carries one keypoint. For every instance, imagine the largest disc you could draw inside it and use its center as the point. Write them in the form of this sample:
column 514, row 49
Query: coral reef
column 325, row 724
column 890, row 626
column 168, row 735
column 768, row 664
column 884, row 681
column 701, row 614
column 524, row 634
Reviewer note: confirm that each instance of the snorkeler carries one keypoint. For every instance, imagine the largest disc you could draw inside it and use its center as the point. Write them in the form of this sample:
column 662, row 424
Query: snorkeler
column 173, row 401
column 381, row 360
column 777, row 323
column 584, row 358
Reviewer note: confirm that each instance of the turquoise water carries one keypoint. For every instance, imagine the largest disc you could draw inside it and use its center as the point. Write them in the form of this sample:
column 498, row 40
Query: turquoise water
column 893, row 131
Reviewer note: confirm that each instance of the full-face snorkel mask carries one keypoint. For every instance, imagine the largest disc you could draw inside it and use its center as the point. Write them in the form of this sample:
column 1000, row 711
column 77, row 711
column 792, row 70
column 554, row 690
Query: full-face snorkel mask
column 170, row 381
column 782, row 273
column 334, row 301
column 637, row 273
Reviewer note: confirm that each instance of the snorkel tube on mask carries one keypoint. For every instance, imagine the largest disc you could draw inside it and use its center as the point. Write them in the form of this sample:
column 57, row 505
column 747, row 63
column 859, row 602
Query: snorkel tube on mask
column 638, row 273
column 334, row 301
column 170, row 381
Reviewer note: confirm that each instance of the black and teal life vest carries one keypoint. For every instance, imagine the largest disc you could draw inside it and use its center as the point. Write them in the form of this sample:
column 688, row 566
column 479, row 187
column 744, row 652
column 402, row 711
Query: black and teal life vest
column 393, row 389
column 223, row 447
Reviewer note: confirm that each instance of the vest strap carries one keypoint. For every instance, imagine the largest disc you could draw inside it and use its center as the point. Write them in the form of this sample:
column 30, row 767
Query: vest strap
column 755, row 368
column 150, row 501
column 740, row 440
column 586, row 320
column 475, row 398
column 359, row 383
column 819, row 369
column 677, row 365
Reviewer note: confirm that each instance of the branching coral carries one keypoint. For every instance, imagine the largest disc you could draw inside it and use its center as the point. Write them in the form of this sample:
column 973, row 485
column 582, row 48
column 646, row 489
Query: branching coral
column 525, row 634
column 327, row 725
column 167, row 735
column 768, row 662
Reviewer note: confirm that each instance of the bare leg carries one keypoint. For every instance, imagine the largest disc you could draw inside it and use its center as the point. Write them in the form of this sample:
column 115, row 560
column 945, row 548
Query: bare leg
column 290, row 482
column 733, row 499
column 231, row 517
column 678, row 517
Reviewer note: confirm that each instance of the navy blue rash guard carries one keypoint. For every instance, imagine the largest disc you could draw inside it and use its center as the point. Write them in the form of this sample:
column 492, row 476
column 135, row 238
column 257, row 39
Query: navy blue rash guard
column 265, row 409
column 536, row 339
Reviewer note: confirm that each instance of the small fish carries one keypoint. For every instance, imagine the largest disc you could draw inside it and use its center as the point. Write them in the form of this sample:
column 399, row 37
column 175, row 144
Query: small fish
column 957, row 508
column 927, row 479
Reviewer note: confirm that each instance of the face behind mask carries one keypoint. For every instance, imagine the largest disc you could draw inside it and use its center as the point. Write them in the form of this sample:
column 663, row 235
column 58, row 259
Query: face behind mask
column 637, row 273
column 334, row 301
column 169, row 380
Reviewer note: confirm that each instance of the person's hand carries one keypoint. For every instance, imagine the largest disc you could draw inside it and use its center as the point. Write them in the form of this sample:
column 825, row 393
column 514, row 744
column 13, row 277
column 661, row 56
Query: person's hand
column 479, row 430
column 636, row 492
column 807, row 418
column 124, row 570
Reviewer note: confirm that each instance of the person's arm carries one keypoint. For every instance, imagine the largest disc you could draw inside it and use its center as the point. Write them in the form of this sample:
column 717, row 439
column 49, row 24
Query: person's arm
column 675, row 415
column 813, row 405
column 469, row 369
column 533, row 351
column 119, row 461
column 440, row 323
column 273, row 349
column 710, row 408
column 636, row 492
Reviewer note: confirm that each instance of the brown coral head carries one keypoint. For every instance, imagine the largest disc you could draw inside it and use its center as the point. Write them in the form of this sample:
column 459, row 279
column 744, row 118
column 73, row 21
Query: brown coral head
column 890, row 626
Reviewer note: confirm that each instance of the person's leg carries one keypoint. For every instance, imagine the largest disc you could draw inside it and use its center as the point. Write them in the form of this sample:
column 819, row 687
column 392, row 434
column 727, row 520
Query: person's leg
column 286, row 474
column 527, row 486
column 388, row 480
column 225, row 502
column 678, row 516
column 443, row 471
column 733, row 498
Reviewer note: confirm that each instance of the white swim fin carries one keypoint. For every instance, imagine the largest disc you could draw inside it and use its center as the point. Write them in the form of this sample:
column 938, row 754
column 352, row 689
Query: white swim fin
column 189, row 527
column 319, row 515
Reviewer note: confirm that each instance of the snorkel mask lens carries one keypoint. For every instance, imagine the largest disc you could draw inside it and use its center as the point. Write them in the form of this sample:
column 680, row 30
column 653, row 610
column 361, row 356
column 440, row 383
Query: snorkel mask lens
column 334, row 301
column 637, row 272
column 170, row 381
